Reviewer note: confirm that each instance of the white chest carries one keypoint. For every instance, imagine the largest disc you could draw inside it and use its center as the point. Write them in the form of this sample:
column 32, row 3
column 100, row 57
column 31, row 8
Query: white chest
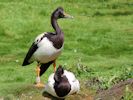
column 46, row 51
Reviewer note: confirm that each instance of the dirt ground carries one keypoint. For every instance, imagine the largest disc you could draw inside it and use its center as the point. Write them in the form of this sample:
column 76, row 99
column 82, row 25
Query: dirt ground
column 116, row 92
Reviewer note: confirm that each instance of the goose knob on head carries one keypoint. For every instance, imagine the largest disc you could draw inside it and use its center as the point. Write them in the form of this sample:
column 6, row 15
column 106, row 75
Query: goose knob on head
column 62, row 83
column 47, row 47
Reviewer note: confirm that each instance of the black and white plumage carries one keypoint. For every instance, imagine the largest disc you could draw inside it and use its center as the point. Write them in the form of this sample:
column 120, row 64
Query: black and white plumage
column 62, row 83
column 43, row 49
column 47, row 46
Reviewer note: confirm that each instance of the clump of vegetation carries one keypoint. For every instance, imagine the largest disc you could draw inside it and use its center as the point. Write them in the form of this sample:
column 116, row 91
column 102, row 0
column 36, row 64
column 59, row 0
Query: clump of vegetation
column 102, row 83
column 128, row 95
column 126, row 73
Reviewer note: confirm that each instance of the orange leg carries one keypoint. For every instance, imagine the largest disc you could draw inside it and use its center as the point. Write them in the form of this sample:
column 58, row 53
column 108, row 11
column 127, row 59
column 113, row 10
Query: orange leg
column 54, row 64
column 38, row 82
column 38, row 71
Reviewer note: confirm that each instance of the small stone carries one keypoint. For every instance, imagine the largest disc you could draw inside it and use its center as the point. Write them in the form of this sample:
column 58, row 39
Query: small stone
column 16, row 61
column 30, row 97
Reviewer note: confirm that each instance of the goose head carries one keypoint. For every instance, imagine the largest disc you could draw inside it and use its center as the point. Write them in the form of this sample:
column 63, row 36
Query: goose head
column 59, row 73
column 60, row 13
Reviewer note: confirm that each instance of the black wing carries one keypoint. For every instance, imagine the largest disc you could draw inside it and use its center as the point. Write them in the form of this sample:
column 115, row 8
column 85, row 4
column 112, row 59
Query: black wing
column 44, row 67
column 32, row 49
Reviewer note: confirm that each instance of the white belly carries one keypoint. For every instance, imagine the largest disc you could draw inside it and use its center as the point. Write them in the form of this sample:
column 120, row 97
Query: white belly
column 46, row 51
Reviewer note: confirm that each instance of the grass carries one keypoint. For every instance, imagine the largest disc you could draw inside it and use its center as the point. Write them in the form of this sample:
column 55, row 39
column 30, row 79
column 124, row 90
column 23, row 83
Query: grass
column 98, row 41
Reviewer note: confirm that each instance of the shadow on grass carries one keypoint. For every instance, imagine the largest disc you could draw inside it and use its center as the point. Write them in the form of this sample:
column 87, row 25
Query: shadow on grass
column 46, row 95
column 115, row 13
column 78, row 96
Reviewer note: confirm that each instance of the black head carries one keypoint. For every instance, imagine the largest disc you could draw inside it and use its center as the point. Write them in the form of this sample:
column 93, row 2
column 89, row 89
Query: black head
column 59, row 73
column 59, row 13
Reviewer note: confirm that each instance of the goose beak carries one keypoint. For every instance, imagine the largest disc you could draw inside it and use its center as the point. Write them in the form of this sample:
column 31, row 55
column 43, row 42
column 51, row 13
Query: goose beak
column 67, row 15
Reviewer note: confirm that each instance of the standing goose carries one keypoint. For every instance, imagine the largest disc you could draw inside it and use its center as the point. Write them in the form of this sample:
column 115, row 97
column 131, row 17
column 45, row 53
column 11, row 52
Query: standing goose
column 62, row 83
column 47, row 47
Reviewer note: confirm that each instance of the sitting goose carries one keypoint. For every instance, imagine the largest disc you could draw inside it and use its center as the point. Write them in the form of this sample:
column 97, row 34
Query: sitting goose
column 47, row 46
column 62, row 83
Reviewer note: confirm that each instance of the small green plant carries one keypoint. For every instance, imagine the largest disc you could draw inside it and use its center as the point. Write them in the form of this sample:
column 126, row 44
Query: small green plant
column 128, row 94
column 124, row 74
